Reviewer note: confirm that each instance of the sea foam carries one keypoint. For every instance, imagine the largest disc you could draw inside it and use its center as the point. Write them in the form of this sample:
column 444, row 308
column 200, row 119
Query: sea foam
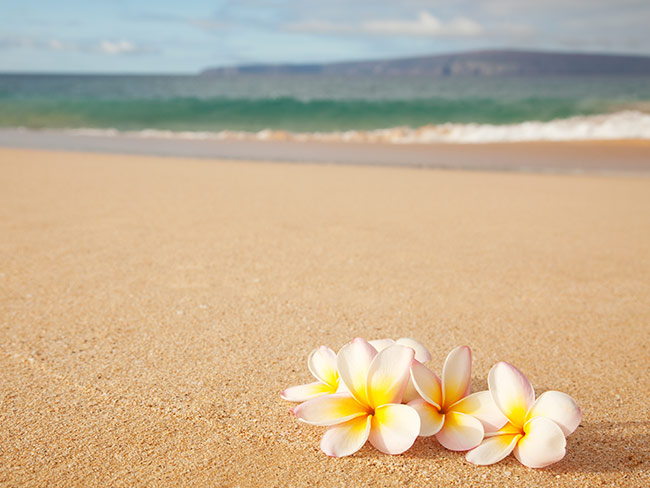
column 616, row 126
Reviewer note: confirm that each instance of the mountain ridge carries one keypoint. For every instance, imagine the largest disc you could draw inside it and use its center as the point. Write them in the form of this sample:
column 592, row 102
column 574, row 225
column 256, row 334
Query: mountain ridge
column 494, row 62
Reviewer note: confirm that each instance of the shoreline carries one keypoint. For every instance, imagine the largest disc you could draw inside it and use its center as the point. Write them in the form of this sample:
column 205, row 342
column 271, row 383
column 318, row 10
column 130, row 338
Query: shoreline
column 615, row 157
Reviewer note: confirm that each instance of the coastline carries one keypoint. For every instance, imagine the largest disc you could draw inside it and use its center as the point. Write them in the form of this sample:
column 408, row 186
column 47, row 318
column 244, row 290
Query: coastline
column 152, row 309
column 611, row 157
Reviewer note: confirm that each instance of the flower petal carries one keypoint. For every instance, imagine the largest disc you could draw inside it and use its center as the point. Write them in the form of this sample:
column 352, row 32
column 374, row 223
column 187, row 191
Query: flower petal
column 329, row 410
column 543, row 444
column 482, row 406
column 460, row 432
column 410, row 393
column 422, row 354
column 427, row 384
column 388, row 375
column 394, row 428
column 381, row 344
column 353, row 362
column 430, row 417
column 511, row 391
column 492, row 449
column 302, row 393
column 322, row 364
column 456, row 375
column 346, row 438
column 560, row 408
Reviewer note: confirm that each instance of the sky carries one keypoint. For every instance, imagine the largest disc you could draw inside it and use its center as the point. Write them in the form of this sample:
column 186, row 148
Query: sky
column 172, row 36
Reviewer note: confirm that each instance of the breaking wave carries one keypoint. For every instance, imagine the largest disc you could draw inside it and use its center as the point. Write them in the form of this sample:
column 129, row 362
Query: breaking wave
column 615, row 126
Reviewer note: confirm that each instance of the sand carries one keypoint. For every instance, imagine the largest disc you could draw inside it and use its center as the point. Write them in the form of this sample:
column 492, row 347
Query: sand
column 151, row 310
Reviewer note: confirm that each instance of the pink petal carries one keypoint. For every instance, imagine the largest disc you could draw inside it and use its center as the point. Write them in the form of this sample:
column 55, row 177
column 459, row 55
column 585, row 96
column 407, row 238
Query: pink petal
column 353, row 362
column 511, row 391
column 422, row 354
column 460, row 432
column 543, row 444
column 329, row 410
column 346, row 438
column 388, row 375
column 394, row 428
column 427, row 384
column 560, row 408
column 381, row 344
column 322, row 364
column 456, row 375
column 492, row 449
column 482, row 406
column 431, row 419
column 302, row 393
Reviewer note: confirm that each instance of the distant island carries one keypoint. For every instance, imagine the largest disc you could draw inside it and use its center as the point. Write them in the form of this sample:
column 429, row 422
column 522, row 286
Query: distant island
column 475, row 63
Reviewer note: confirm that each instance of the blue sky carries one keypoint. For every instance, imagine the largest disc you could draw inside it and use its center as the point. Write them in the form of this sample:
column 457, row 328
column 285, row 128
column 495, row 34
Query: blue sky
column 185, row 36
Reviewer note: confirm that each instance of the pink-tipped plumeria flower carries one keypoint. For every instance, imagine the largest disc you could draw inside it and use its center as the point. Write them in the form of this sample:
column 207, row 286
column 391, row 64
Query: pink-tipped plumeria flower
column 447, row 410
column 536, row 430
column 322, row 364
column 422, row 355
column 372, row 409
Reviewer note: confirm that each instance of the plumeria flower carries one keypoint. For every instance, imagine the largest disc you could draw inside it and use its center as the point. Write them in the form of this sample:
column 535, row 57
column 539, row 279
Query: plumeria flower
column 322, row 364
column 536, row 430
column 422, row 355
column 447, row 410
column 371, row 410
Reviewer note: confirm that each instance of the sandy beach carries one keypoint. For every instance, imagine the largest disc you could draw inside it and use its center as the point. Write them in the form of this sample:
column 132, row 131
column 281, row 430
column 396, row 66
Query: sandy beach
column 152, row 309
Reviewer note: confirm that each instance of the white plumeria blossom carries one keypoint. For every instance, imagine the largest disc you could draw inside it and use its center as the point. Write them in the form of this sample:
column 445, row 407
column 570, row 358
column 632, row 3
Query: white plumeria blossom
column 371, row 409
column 536, row 430
column 447, row 410
column 322, row 364
column 422, row 355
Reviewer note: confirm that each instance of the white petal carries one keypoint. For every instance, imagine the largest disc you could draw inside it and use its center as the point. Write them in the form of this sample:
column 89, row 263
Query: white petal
column 460, row 432
column 322, row 364
column 302, row 393
column 456, row 375
column 492, row 449
column 430, row 418
column 381, row 344
column 426, row 383
column 410, row 393
column 560, row 408
column 394, row 428
column 388, row 375
column 511, row 391
column 543, row 444
column 353, row 362
column 422, row 354
column 329, row 410
column 346, row 438
column 482, row 406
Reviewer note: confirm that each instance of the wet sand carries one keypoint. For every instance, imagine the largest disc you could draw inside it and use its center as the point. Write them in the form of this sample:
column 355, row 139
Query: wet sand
column 151, row 310
column 625, row 157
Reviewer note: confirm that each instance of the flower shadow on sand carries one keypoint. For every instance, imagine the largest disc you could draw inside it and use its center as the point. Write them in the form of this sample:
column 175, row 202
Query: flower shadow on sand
column 601, row 447
column 596, row 447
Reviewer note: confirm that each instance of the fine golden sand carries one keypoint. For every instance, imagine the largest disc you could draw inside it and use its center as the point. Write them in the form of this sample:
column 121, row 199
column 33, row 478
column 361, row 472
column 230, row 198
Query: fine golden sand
column 151, row 310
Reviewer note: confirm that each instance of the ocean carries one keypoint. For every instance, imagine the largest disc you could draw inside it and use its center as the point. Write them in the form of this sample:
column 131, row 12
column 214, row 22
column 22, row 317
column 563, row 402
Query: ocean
column 305, row 107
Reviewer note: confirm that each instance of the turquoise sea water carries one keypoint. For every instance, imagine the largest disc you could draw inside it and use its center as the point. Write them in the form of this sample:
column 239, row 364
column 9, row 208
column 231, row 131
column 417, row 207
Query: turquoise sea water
column 305, row 103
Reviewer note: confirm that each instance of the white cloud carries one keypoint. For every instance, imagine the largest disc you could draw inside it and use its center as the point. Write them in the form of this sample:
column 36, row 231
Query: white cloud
column 117, row 47
column 105, row 46
column 425, row 25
